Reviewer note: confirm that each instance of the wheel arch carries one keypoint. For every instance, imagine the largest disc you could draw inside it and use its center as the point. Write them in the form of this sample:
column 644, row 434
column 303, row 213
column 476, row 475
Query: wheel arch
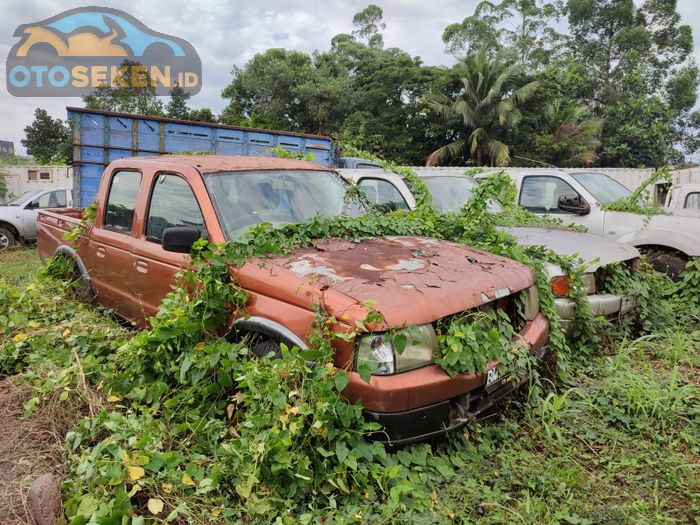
column 13, row 229
column 245, row 326
column 66, row 251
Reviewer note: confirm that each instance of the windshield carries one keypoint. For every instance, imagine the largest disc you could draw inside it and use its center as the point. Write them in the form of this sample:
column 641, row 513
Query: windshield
column 602, row 187
column 18, row 201
column 451, row 193
column 245, row 198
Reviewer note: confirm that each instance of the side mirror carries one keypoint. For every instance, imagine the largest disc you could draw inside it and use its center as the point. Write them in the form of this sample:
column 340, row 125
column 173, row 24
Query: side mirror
column 573, row 203
column 179, row 239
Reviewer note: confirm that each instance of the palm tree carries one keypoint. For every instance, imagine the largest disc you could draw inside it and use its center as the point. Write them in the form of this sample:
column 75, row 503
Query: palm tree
column 571, row 138
column 484, row 109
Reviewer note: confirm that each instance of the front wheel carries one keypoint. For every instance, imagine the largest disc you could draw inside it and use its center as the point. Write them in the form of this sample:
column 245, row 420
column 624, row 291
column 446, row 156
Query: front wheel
column 265, row 348
column 7, row 239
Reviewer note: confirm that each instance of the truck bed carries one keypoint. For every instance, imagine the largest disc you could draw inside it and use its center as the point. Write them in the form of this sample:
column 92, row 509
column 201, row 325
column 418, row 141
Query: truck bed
column 51, row 225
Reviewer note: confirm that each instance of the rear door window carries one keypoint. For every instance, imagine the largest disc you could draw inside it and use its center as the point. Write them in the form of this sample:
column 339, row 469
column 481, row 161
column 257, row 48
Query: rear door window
column 172, row 204
column 121, row 201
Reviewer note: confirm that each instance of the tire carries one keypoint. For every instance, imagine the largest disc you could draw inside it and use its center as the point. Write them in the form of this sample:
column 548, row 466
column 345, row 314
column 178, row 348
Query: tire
column 265, row 348
column 671, row 265
column 71, row 272
column 7, row 239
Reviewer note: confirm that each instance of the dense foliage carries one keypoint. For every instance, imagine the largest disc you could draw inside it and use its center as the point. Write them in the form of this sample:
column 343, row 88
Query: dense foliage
column 184, row 424
column 617, row 88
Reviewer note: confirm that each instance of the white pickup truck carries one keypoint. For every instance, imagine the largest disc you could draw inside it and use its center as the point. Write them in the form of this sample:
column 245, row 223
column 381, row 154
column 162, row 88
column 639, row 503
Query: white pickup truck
column 578, row 198
column 684, row 196
column 18, row 216
column 451, row 189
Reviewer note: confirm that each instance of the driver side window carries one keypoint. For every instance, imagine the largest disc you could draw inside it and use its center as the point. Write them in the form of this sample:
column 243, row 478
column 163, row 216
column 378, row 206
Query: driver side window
column 541, row 194
column 172, row 204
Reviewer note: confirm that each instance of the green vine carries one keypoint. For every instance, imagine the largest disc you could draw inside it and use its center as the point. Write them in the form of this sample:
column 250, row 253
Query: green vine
column 640, row 201
column 188, row 417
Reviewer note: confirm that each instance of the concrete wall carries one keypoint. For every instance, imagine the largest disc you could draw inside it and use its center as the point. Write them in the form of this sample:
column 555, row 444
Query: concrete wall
column 18, row 178
column 686, row 176
column 630, row 177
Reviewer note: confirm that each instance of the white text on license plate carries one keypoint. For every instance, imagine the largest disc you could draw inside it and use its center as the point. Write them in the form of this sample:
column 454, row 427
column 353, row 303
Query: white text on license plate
column 497, row 374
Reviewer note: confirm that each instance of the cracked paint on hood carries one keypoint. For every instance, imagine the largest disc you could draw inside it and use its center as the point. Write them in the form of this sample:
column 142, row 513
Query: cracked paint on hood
column 410, row 279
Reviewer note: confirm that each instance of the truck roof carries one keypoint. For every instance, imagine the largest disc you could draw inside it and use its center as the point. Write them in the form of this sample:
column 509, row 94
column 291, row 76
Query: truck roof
column 214, row 163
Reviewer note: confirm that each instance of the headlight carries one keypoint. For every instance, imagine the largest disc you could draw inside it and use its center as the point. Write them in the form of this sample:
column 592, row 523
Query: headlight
column 378, row 351
column 530, row 302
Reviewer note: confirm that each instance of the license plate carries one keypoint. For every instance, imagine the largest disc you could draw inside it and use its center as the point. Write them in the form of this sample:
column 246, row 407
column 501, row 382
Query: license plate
column 628, row 303
column 497, row 376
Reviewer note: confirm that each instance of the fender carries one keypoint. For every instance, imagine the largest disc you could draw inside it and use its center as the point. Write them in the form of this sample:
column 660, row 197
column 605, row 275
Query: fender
column 267, row 327
column 674, row 240
column 85, row 280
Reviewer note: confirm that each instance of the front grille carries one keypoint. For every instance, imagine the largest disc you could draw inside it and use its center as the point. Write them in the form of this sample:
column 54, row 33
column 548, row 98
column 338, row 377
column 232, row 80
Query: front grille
column 507, row 304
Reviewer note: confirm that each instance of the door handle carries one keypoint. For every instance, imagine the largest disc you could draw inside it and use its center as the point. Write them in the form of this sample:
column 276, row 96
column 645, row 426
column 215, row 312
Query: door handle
column 101, row 252
column 141, row 266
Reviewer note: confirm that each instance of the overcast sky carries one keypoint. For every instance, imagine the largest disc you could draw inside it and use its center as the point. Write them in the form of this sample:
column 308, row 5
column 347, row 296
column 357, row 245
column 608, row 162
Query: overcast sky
column 225, row 33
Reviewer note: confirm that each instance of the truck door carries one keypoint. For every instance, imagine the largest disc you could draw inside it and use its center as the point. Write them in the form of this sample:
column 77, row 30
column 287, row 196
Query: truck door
column 49, row 199
column 112, row 243
column 172, row 203
column 540, row 194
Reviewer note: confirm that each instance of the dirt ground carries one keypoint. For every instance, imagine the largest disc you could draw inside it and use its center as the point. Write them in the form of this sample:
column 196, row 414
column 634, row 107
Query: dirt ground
column 28, row 447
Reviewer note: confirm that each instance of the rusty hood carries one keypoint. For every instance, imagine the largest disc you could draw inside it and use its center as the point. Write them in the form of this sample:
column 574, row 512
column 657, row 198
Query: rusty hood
column 409, row 279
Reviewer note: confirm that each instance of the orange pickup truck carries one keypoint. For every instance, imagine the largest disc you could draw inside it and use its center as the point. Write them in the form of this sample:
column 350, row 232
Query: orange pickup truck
column 150, row 210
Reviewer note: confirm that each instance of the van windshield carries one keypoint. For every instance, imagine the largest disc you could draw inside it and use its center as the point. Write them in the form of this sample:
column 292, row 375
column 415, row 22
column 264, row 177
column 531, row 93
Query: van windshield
column 451, row 193
column 21, row 199
column 245, row 198
column 602, row 187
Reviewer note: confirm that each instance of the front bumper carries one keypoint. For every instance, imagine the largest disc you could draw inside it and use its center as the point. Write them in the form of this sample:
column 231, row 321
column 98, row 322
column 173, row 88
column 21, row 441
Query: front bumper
column 612, row 307
column 427, row 402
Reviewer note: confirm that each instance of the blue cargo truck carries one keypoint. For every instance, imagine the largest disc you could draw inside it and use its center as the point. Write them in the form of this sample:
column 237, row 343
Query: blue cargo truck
column 99, row 137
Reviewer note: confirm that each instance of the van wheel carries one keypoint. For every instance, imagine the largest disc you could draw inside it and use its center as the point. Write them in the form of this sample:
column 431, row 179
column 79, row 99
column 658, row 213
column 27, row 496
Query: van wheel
column 7, row 239
column 671, row 265
column 267, row 347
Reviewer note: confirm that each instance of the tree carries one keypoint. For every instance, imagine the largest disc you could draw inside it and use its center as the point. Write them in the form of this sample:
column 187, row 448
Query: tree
column 690, row 134
column 369, row 22
column 643, row 81
column 569, row 136
column 638, row 133
column 518, row 28
column 264, row 91
column 48, row 140
column 131, row 92
column 486, row 106
column 177, row 107
column 201, row 115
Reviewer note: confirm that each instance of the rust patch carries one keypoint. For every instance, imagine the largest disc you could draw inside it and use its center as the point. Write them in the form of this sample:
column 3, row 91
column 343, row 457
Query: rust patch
column 412, row 279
